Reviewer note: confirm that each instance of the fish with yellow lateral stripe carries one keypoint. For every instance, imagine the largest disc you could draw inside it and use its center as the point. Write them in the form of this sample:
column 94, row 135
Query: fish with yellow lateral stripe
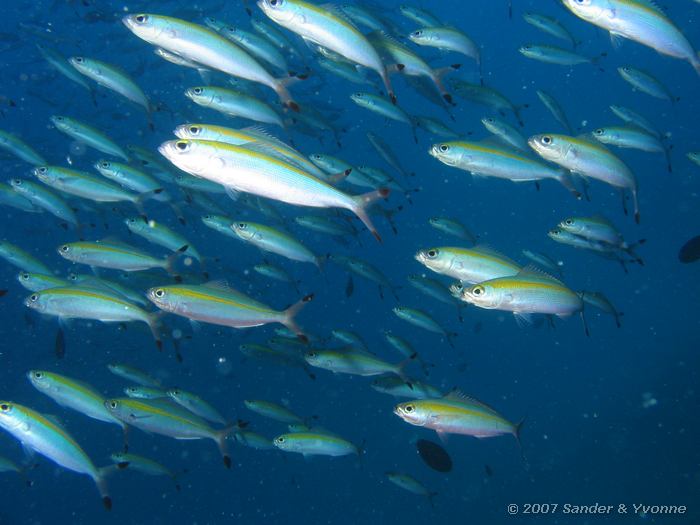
column 78, row 302
column 470, row 265
column 116, row 256
column 167, row 418
column 216, row 303
column 37, row 433
column 484, row 159
column 255, row 169
column 528, row 292
column 457, row 413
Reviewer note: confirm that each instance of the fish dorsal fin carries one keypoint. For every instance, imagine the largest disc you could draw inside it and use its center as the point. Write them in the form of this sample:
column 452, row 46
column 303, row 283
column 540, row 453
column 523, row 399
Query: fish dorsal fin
column 265, row 148
column 113, row 241
column 533, row 271
column 265, row 135
column 487, row 250
column 338, row 12
column 651, row 4
column 219, row 284
column 457, row 395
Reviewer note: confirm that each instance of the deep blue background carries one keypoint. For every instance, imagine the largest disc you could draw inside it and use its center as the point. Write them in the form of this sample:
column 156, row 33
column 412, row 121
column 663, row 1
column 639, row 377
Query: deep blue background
column 587, row 437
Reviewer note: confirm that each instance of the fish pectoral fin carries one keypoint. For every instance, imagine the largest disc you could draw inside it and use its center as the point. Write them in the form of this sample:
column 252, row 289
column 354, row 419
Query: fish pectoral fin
column 523, row 319
column 443, row 436
column 616, row 39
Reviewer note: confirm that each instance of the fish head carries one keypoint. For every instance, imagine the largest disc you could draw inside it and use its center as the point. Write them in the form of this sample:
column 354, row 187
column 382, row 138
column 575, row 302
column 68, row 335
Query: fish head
column 529, row 51
column 163, row 298
column 457, row 289
column 67, row 251
column 43, row 173
column 571, row 225
column 18, row 185
column 445, row 153
column 24, row 278
column 411, row 413
column 39, row 379
column 482, row 295
column 556, row 234
column 136, row 224
column 85, row 66
column 432, row 258
column 283, row 442
column 493, row 125
column 199, row 95
column 423, row 37
column 188, row 131
column 549, row 147
column 281, row 11
column 589, row 10
column 118, row 457
column 191, row 156
column 361, row 99
column 243, row 230
column 9, row 415
column 313, row 357
column 35, row 302
column 147, row 27
column 62, row 123
column 115, row 407
column 174, row 393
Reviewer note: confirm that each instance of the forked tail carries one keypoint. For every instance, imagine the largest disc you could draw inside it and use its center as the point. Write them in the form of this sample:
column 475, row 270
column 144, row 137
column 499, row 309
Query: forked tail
column 363, row 203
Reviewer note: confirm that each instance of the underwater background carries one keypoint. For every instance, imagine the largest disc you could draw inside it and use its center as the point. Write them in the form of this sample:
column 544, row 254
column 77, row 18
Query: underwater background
column 610, row 418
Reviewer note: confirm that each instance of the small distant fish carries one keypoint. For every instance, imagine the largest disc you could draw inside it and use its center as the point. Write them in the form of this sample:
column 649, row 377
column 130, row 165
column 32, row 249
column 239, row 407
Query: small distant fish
column 410, row 484
column 315, row 444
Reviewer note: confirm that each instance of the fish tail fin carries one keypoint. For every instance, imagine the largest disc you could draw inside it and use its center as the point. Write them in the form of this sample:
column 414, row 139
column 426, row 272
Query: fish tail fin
column 438, row 74
column 517, row 431
column 220, row 438
column 667, row 153
column 364, row 201
column 290, row 314
column 140, row 198
column 102, row 487
column 169, row 264
column 280, row 88
column 155, row 326
column 387, row 81
column 567, row 181
column 402, row 365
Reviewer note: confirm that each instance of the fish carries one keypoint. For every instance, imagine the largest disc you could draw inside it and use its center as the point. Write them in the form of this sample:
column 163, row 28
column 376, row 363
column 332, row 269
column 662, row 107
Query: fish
column 220, row 223
column 419, row 15
column 600, row 229
column 314, row 443
column 469, row 265
column 456, row 413
column 350, row 338
column 694, row 156
column 133, row 375
column 327, row 27
column 405, row 348
column 600, row 248
column 41, row 435
column 506, row 133
column 551, row 26
column 486, row 96
column 87, row 135
column 115, row 255
column 423, row 320
column 434, row 455
column 125, row 460
column 646, row 83
column 384, row 108
column 247, row 170
column 557, row 55
column 588, row 158
column 234, row 104
column 367, row 270
column 353, row 361
column 280, row 355
column 447, row 39
column 109, row 285
column 217, row 303
column 600, row 301
column 272, row 410
column 22, row 260
column 79, row 302
column 690, row 251
column 73, row 394
column 144, row 392
column 386, row 152
column 63, row 66
column 275, row 241
column 9, row 197
column 528, row 292
column 253, row 440
column 42, row 197
column 555, row 109
column 410, row 484
column 196, row 405
column 36, row 282
column 258, row 46
column 634, row 118
column 452, row 227
column 164, row 417
column 132, row 179
column 159, row 234
column 483, row 159
column 399, row 387
column 206, row 47
column 434, row 289
column 634, row 138
column 638, row 20
column 544, row 260
column 20, row 149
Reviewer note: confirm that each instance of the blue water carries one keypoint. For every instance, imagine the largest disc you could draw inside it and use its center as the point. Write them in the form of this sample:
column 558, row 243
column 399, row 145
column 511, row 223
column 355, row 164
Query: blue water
column 588, row 436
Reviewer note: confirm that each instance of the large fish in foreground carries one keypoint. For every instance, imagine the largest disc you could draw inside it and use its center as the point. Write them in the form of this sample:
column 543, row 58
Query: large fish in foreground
column 457, row 413
column 254, row 170
column 37, row 433
column 639, row 20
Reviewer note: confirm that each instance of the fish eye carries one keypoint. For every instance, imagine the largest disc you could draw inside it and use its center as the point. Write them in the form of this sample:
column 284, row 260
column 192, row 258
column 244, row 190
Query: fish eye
column 569, row 222
column 599, row 131
column 24, row 276
column 112, row 404
column 279, row 439
column 444, row 148
column 17, row 182
column 311, row 354
column 417, row 33
column 182, row 145
column 65, row 248
column 276, row 3
column 42, row 169
column 432, row 253
column 104, row 164
column 34, row 297
column 242, row 225
column 195, row 130
column 5, row 407
column 546, row 139
column 197, row 91
column 408, row 409
column 38, row 375
column 141, row 19
column 478, row 290
column 79, row 60
column 159, row 293
column 72, row 277
column 527, row 47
